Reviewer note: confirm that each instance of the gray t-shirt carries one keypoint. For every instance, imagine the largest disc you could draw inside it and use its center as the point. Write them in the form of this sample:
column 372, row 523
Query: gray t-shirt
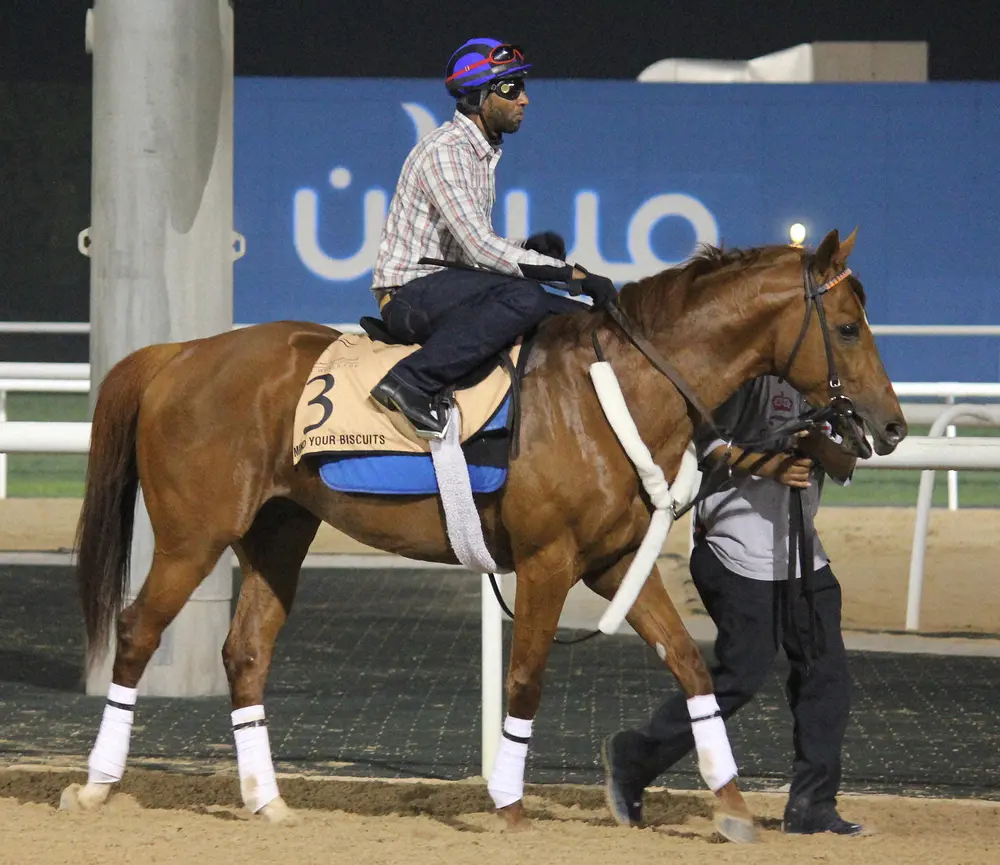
column 746, row 523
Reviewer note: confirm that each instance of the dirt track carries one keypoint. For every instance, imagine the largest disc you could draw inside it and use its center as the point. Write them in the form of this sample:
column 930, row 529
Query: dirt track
column 172, row 818
column 161, row 818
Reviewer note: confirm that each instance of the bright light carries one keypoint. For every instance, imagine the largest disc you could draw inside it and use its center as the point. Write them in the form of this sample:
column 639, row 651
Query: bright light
column 797, row 232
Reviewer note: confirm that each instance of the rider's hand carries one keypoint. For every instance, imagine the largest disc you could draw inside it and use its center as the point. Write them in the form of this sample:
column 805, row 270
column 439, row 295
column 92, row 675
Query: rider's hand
column 600, row 288
column 547, row 243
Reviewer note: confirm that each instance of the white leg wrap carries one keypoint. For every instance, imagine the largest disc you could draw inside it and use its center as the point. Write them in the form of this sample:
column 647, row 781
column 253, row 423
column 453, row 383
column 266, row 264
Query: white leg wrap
column 107, row 761
column 258, row 784
column 715, row 756
column 506, row 784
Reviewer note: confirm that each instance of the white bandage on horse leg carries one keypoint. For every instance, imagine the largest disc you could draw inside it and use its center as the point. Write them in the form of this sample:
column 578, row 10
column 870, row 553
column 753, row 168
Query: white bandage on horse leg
column 506, row 783
column 715, row 756
column 258, row 784
column 107, row 761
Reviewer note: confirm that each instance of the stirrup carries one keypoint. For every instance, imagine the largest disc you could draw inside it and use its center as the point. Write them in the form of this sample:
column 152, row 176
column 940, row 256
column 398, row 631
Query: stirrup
column 442, row 407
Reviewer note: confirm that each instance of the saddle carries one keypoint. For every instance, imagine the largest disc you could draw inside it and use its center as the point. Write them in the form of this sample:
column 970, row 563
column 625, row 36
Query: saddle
column 361, row 447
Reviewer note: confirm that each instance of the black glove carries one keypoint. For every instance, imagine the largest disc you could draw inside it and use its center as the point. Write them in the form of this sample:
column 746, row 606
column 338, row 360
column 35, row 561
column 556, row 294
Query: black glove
column 547, row 243
column 549, row 273
column 600, row 288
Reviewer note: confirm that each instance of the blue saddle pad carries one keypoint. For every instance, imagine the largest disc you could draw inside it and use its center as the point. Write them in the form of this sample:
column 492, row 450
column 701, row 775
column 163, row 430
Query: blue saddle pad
column 409, row 474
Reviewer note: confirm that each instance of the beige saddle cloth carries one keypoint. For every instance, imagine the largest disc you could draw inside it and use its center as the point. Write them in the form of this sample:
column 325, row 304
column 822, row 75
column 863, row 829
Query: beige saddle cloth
column 336, row 414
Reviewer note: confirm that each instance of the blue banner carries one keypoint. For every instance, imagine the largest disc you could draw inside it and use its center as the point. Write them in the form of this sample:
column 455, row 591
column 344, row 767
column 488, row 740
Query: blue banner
column 634, row 176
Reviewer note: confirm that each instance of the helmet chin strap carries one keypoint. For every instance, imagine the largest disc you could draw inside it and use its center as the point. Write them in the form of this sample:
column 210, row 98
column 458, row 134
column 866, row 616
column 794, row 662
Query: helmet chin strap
column 473, row 104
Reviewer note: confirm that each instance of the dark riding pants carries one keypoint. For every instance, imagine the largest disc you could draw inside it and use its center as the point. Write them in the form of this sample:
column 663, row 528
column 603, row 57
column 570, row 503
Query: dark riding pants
column 751, row 617
column 462, row 318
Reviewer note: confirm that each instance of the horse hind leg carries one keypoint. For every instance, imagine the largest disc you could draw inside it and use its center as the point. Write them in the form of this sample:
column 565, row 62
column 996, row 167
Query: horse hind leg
column 170, row 582
column 655, row 618
column 270, row 554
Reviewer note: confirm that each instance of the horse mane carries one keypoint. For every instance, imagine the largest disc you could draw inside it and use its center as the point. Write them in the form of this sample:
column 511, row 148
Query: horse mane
column 644, row 301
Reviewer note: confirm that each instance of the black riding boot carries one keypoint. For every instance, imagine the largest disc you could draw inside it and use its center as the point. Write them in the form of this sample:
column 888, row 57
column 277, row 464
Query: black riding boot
column 428, row 415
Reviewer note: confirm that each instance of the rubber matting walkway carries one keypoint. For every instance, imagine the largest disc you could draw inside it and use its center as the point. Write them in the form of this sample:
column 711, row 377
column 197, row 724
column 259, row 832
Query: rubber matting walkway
column 377, row 674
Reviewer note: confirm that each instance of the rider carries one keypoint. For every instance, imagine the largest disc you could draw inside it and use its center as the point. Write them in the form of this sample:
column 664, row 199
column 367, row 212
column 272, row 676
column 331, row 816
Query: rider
column 441, row 210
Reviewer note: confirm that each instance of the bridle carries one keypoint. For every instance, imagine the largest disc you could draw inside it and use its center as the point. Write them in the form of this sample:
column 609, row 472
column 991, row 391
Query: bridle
column 840, row 407
column 839, row 410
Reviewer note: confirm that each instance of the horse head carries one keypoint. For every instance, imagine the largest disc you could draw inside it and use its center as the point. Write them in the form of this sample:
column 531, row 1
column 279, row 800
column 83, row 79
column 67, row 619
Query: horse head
column 826, row 349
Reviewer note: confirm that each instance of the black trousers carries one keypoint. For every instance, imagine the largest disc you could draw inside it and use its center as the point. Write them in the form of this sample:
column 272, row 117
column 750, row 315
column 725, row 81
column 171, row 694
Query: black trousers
column 462, row 318
column 752, row 623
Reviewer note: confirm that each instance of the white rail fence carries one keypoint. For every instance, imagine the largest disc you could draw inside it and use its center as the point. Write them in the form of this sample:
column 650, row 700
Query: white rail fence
column 926, row 453
column 75, row 378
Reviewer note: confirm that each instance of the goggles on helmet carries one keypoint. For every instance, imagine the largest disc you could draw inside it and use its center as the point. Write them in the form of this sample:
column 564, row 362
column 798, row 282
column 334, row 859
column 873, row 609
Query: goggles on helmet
column 500, row 55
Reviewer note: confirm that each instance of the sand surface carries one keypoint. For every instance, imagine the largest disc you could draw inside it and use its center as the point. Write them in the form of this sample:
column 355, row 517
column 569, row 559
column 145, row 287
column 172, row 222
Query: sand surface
column 160, row 818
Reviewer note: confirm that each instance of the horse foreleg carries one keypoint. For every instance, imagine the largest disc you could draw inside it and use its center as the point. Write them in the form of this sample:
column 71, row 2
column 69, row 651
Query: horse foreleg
column 170, row 583
column 543, row 581
column 270, row 555
column 655, row 618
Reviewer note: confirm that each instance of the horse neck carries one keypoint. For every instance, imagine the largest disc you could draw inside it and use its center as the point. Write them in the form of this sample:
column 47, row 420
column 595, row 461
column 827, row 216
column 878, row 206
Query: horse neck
column 719, row 332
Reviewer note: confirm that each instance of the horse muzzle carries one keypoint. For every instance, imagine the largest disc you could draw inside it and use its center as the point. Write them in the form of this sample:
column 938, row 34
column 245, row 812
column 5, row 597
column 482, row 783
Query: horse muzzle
column 885, row 437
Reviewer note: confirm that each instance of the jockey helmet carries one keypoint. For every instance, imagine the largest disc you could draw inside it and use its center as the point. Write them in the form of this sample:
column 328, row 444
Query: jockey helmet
column 476, row 67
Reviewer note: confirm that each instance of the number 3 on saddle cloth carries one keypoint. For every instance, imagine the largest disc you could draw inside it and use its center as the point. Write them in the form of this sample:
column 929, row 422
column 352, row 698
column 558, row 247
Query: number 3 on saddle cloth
column 362, row 448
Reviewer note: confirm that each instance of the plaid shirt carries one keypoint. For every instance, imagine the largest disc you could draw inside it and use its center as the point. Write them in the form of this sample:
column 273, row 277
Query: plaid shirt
column 442, row 208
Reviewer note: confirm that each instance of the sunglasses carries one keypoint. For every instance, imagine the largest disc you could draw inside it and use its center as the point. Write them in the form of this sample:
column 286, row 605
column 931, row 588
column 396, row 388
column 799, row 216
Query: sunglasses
column 501, row 55
column 509, row 89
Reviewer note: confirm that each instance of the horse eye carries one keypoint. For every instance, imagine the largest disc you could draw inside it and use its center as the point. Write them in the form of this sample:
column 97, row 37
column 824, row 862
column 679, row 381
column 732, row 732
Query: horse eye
column 849, row 331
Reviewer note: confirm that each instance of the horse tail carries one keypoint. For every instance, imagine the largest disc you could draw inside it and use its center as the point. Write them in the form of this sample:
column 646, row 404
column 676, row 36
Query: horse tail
column 104, row 533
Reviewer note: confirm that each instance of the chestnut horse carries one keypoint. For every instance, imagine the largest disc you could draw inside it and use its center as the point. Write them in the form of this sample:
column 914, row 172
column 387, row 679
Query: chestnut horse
column 206, row 428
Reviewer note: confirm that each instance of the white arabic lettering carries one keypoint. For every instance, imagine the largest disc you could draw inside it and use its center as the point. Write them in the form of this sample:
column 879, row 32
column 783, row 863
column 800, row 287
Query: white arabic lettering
column 305, row 230
column 586, row 221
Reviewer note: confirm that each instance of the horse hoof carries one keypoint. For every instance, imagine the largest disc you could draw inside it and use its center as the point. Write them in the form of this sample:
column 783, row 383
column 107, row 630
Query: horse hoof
column 514, row 817
column 739, row 830
column 276, row 811
column 88, row 797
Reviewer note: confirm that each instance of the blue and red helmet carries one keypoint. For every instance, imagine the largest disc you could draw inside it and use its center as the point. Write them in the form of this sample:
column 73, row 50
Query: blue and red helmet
column 482, row 62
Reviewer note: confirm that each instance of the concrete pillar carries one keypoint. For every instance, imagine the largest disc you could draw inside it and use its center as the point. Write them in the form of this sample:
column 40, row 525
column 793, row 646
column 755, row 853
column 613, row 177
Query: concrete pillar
column 161, row 246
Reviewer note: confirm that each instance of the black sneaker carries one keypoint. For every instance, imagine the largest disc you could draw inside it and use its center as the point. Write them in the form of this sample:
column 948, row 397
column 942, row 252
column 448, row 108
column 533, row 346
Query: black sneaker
column 801, row 821
column 428, row 417
column 623, row 794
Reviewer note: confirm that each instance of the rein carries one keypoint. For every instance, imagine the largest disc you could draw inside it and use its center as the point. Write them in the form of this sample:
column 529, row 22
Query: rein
column 659, row 362
column 510, row 614
column 839, row 407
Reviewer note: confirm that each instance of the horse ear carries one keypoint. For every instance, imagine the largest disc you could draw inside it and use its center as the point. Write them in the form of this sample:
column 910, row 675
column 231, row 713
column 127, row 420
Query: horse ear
column 847, row 246
column 828, row 249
